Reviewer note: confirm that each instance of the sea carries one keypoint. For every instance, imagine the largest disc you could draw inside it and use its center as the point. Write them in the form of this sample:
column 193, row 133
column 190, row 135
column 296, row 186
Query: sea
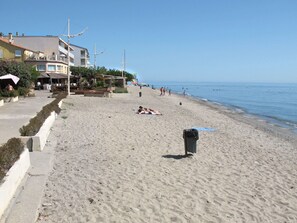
column 275, row 103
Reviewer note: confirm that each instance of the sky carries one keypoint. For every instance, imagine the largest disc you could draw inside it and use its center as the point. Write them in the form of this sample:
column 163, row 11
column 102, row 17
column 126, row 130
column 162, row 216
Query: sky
column 172, row 40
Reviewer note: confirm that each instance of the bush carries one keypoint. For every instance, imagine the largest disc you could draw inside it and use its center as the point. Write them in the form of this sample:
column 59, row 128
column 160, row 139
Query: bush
column 20, row 69
column 35, row 123
column 23, row 91
column 8, row 94
column 120, row 90
column 9, row 153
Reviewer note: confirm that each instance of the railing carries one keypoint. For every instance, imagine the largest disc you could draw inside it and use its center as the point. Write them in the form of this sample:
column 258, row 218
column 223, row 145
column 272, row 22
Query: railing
column 48, row 58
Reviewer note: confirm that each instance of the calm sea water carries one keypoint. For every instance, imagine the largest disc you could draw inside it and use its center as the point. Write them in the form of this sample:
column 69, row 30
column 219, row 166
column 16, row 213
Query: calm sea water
column 276, row 103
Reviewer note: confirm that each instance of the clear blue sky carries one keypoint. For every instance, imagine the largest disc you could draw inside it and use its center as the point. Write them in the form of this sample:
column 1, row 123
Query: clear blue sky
column 171, row 40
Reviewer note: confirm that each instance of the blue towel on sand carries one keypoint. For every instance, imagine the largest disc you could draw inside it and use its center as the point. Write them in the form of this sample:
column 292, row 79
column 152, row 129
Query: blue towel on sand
column 204, row 129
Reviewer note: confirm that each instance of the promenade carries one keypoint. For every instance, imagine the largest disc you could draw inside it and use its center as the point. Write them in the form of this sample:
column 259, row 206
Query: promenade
column 14, row 115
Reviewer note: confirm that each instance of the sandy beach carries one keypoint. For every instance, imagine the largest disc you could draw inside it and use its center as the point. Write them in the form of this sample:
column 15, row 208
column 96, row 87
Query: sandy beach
column 113, row 165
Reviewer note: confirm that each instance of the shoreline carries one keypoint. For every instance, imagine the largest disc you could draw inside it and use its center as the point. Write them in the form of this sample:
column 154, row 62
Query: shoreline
column 256, row 121
column 111, row 164
column 282, row 123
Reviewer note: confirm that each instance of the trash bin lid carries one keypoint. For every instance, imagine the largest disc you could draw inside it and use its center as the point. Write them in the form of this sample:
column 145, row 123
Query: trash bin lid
column 191, row 133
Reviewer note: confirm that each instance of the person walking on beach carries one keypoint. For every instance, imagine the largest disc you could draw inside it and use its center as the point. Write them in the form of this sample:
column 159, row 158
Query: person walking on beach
column 161, row 91
column 164, row 91
column 169, row 92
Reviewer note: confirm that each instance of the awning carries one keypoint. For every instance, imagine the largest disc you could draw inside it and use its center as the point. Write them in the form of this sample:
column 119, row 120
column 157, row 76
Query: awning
column 54, row 76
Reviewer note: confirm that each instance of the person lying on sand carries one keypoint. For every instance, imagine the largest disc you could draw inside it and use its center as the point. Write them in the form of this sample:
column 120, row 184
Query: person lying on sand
column 149, row 111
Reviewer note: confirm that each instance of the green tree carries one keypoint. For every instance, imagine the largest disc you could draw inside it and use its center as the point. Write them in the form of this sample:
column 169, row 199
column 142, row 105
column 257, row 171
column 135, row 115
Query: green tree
column 90, row 73
column 19, row 69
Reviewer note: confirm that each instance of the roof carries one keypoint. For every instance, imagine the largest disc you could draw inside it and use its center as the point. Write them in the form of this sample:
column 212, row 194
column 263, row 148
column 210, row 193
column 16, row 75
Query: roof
column 5, row 40
column 78, row 46
column 54, row 75
column 113, row 77
column 47, row 36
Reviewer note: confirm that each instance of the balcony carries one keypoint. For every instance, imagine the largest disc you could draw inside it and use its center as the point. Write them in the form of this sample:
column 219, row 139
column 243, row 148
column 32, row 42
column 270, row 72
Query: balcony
column 47, row 58
column 65, row 51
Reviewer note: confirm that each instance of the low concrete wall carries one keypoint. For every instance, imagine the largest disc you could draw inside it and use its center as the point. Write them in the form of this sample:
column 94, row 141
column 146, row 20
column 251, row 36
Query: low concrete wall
column 14, row 99
column 60, row 103
column 13, row 179
column 37, row 142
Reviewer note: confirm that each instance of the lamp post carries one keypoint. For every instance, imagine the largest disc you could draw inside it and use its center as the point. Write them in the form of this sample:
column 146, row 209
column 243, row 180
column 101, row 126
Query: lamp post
column 95, row 54
column 68, row 53
column 124, row 67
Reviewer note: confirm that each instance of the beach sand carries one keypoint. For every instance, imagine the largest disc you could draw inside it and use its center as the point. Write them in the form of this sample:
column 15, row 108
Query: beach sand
column 113, row 165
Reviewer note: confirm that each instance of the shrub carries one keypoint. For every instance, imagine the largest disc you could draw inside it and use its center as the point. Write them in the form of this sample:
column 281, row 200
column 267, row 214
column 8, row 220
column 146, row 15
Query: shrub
column 23, row 91
column 7, row 94
column 9, row 154
column 35, row 123
column 20, row 69
column 99, row 84
column 120, row 90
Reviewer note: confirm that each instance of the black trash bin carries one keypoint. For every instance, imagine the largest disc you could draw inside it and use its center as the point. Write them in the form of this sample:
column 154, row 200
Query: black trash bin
column 190, row 138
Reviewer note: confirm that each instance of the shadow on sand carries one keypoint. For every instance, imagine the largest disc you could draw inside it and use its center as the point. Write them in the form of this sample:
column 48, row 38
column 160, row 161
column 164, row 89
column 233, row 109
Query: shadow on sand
column 177, row 157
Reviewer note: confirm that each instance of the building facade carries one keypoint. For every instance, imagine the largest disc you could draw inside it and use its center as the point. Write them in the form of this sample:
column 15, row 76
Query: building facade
column 55, row 59
column 81, row 56
column 11, row 51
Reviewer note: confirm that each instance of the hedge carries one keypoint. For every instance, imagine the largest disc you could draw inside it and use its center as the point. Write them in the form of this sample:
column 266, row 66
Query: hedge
column 9, row 153
column 35, row 123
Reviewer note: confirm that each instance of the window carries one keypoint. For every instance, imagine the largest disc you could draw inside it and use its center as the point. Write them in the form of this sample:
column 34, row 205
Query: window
column 41, row 67
column 83, row 62
column 18, row 53
column 1, row 53
column 51, row 67
column 59, row 68
column 82, row 53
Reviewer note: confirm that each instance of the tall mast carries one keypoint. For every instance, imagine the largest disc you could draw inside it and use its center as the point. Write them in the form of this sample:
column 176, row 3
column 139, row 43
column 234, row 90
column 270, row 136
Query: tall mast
column 124, row 67
column 68, row 56
column 68, row 51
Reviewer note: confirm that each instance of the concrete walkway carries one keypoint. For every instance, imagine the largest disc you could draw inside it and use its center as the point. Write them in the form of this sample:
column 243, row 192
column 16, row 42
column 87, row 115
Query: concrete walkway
column 14, row 115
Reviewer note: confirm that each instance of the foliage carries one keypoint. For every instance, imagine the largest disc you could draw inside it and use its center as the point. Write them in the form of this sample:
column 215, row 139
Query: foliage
column 120, row 90
column 118, row 73
column 35, row 123
column 8, row 94
column 23, row 91
column 84, row 72
column 91, row 73
column 34, row 74
column 100, row 84
column 19, row 69
column 84, row 84
column 9, row 154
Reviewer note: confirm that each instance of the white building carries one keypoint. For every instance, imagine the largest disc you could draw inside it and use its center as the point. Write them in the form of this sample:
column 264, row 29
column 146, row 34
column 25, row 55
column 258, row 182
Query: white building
column 55, row 50
column 53, row 66
column 81, row 56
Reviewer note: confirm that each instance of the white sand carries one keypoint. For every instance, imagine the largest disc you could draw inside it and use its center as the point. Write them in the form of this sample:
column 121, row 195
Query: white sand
column 112, row 165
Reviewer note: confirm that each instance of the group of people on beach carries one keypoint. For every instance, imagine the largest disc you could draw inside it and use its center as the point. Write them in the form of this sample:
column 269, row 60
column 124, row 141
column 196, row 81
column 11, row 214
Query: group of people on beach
column 163, row 91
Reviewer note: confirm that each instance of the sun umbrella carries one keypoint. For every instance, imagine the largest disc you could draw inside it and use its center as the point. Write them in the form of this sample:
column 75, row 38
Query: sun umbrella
column 15, row 79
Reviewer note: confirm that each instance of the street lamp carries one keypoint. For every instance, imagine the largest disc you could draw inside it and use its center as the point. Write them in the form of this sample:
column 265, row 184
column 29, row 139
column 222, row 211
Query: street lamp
column 95, row 54
column 68, row 52
column 124, row 67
